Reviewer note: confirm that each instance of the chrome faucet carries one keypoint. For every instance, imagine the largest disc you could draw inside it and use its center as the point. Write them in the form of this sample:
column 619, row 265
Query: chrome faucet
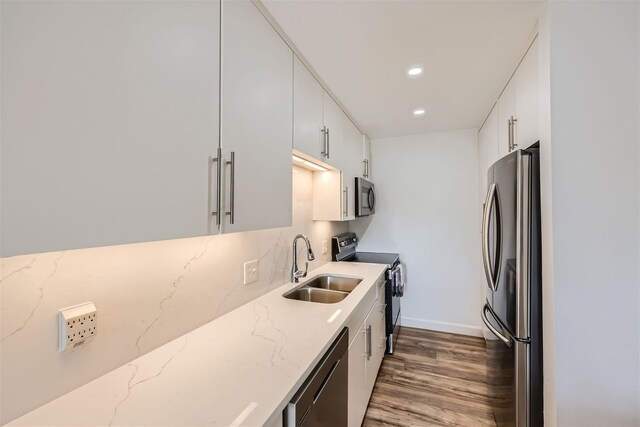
column 296, row 274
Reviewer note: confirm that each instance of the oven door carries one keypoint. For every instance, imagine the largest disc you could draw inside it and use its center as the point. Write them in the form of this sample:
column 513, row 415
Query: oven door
column 365, row 197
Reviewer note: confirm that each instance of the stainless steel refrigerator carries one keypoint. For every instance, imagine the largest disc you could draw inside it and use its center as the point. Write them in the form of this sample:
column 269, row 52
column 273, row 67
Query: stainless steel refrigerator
column 511, row 252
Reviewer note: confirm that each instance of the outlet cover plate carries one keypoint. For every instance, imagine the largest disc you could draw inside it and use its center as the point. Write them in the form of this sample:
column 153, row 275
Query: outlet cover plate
column 250, row 271
column 325, row 248
column 77, row 325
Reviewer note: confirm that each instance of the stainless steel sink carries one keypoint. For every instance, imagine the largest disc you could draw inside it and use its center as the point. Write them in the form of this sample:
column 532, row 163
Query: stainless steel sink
column 334, row 283
column 325, row 289
column 316, row 295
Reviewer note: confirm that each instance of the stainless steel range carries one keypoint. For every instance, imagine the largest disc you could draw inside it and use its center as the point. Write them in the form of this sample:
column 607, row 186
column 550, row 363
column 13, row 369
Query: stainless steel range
column 343, row 248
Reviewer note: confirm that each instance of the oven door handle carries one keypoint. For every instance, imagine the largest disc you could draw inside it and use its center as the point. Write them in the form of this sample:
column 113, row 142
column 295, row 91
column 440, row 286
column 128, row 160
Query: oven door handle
column 395, row 286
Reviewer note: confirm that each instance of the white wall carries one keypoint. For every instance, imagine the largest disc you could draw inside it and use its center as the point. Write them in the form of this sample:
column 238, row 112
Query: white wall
column 591, row 162
column 427, row 210
column 146, row 295
column 546, row 212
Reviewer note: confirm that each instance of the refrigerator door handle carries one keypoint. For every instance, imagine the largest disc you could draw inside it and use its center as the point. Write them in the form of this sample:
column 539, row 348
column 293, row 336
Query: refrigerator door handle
column 488, row 324
column 491, row 272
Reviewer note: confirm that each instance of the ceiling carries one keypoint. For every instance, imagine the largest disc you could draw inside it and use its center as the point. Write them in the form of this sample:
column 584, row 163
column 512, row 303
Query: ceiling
column 363, row 48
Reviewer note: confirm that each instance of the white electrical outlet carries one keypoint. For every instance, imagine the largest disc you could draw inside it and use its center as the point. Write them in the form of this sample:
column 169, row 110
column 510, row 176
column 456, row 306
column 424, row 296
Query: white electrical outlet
column 250, row 271
column 77, row 325
column 324, row 247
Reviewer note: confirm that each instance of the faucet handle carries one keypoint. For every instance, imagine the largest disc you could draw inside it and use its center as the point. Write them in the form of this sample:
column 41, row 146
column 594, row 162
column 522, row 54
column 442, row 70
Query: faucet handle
column 300, row 274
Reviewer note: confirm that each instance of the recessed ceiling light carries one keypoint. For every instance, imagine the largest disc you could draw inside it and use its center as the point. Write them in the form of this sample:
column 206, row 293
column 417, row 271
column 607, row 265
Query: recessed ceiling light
column 415, row 71
column 419, row 112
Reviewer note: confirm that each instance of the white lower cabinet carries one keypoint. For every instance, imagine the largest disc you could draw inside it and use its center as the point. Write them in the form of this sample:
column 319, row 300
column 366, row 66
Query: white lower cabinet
column 366, row 352
column 358, row 396
column 375, row 323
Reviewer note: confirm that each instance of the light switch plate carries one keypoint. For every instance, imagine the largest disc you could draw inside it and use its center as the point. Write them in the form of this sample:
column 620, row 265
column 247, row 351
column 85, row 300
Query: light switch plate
column 250, row 271
column 77, row 325
column 324, row 247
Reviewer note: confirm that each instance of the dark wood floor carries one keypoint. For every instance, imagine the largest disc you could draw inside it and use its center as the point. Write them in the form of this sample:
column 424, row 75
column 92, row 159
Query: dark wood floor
column 432, row 379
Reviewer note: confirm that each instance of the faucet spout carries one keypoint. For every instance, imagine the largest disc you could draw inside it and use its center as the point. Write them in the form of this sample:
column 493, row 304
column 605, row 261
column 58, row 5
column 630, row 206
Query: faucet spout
column 297, row 274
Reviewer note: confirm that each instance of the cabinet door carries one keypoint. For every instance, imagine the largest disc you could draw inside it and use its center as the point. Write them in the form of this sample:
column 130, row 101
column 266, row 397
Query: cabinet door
column 351, row 165
column 334, row 121
column 358, row 395
column 488, row 140
column 366, row 157
column 345, row 151
column 375, row 322
column 257, row 124
column 526, row 94
column 109, row 116
column 506, row 109
column 308, row 119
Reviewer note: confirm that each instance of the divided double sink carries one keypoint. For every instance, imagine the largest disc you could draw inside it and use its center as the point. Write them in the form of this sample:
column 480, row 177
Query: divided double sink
column 325, row 289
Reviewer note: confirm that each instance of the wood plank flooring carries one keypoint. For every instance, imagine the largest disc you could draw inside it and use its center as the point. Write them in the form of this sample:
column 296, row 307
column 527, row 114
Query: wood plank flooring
column 433, row 379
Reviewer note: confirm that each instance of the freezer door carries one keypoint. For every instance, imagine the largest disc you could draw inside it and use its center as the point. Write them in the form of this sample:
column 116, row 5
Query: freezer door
column 507, row 375
column 499, row 239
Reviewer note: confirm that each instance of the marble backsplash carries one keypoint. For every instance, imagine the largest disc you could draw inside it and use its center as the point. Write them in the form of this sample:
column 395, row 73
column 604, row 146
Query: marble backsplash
column 146, row 295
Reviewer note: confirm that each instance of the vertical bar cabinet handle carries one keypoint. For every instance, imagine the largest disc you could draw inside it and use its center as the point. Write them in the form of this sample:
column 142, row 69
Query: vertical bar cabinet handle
column 328, row 142
column 217, row 160
column 514, row 145
column 232, row 189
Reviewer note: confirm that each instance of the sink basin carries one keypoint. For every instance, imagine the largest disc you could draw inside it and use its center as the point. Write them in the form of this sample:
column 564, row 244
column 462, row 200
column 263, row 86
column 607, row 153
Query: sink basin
column 316, row 295
column 325, row 289
column 334, row 283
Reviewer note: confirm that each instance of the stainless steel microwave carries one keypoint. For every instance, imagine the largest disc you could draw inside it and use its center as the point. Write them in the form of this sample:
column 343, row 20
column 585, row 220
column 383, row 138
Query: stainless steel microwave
column 365, row 197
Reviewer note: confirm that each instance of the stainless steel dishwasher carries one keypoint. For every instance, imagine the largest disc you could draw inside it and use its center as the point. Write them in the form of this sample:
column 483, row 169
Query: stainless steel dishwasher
column 322, row 401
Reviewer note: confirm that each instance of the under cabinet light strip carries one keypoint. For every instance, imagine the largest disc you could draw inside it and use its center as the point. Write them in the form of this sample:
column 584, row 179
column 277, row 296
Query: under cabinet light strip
column 308, row 164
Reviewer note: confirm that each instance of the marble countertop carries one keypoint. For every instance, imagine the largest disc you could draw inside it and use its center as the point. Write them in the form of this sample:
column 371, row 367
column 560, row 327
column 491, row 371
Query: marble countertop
column 239, row 369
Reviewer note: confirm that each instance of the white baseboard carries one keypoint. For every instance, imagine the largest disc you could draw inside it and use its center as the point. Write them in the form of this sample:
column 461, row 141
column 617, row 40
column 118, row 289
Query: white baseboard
column 433, row 325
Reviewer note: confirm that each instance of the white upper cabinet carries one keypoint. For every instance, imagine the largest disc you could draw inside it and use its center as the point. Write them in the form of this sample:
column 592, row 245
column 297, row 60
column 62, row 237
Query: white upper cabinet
column 527, row 102
column 324, row 132
column 352, row 167
column 308, row 115
column 109, row 117
column 506, row 113
column 321, row 129
column 257, row 124
column 334, row 122
column 159, row 129
column 366, row 157
column 518, row 106
column 488, row 153
column 334, row 191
